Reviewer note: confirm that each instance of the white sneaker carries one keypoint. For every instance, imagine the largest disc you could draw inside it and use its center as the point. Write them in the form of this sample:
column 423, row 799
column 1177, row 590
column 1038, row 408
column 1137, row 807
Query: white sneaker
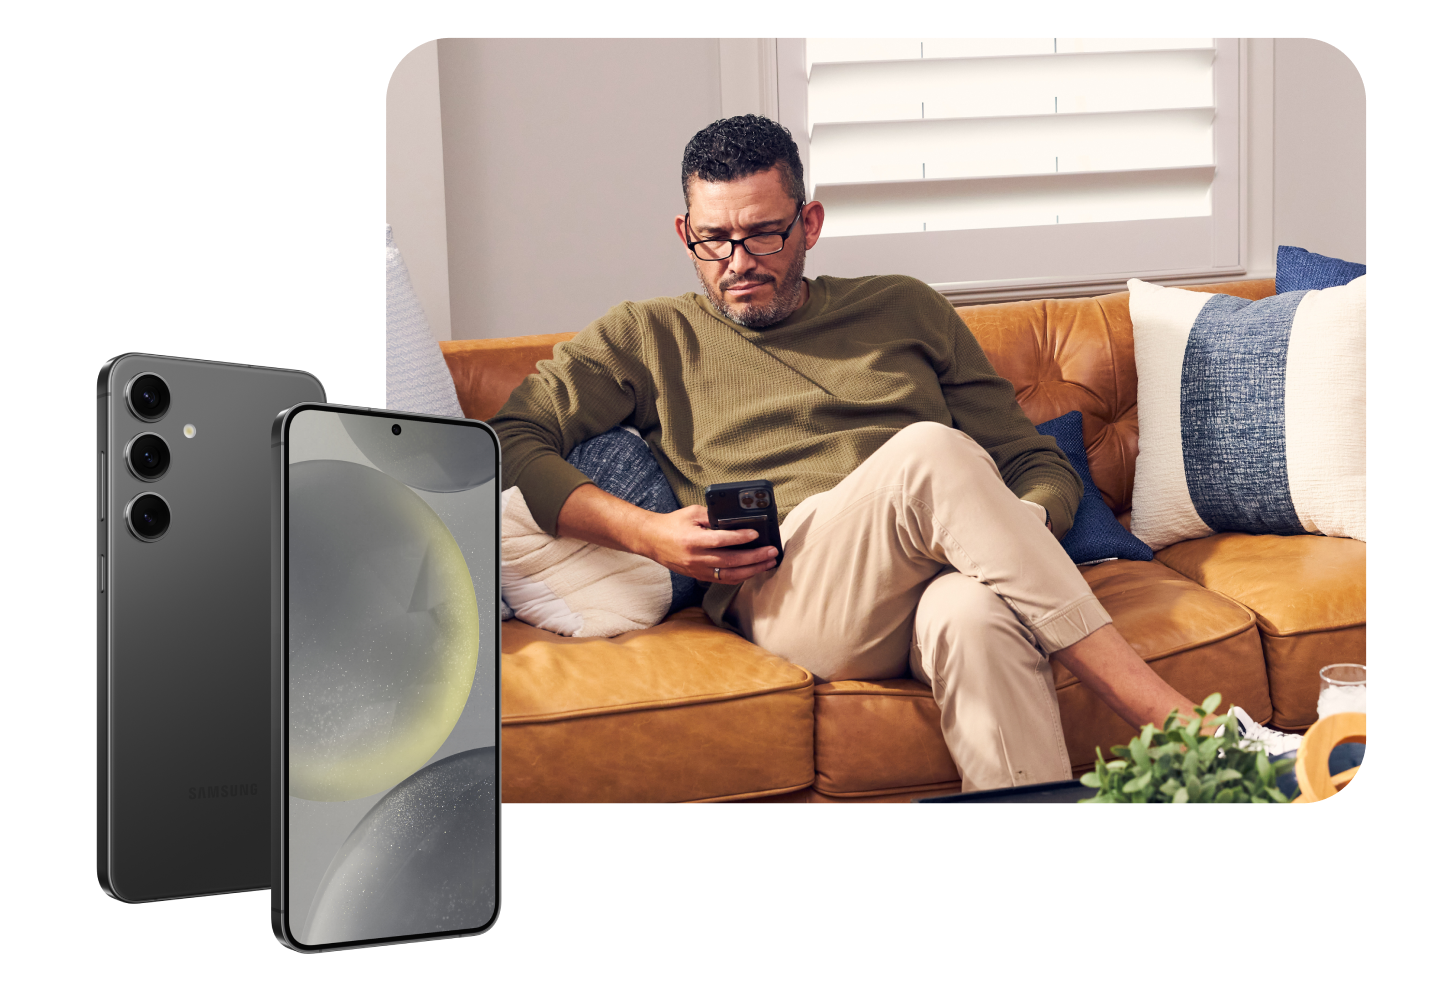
column 1273, row 741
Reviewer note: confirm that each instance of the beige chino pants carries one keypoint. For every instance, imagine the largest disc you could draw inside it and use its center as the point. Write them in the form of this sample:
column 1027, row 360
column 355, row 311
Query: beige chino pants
column 923, row 560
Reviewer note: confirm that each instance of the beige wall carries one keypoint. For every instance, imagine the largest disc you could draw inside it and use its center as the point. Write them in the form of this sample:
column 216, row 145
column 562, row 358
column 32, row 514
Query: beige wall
column 562, row 165
column 1319, row 150
column 496, row 148
column 415, row 181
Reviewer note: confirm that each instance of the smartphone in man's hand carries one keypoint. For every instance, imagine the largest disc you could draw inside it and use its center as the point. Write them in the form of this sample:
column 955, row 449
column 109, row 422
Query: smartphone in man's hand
column 746, row 506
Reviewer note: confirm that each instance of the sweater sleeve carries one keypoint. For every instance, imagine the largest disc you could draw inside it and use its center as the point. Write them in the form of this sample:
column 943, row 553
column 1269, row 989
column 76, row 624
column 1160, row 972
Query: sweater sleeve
column 983, row 405
column 596, row 381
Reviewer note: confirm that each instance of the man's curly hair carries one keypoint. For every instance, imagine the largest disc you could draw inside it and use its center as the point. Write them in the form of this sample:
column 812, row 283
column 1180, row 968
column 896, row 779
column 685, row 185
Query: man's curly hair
column 737, row 147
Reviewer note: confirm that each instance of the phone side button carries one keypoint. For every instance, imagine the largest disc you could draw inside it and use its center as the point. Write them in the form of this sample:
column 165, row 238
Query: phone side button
column 102, row 574
column 103, row 492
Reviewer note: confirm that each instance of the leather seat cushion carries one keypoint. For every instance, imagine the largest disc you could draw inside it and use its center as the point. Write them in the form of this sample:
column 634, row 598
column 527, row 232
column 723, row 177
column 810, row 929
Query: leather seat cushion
column 883, row 738
column 1308, row 595
column 1196, row 640
column 682, row 711
column 874, row 738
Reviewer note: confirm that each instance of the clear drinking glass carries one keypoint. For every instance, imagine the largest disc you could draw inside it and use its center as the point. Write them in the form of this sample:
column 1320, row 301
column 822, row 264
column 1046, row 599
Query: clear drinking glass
column 1342, row 690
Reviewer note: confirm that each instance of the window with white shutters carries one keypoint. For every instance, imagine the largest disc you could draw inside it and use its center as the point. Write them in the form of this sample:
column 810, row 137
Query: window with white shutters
column 982, row 164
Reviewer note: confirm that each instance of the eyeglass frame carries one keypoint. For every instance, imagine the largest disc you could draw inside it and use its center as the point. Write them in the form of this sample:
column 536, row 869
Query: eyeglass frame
column 784, row 237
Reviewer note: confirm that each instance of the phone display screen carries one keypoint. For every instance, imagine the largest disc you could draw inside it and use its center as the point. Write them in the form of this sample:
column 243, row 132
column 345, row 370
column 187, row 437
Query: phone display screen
column 391, row 650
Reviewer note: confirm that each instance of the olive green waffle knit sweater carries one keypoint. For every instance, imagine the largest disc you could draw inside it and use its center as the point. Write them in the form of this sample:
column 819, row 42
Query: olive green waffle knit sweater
column 800, row 403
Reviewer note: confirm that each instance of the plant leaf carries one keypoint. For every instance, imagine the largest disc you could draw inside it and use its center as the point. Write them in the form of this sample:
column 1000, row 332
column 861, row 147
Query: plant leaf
column 1225, row 796
column 1091, row 780
column 1135, row 785
column 1182, row 795
column 1212, row 702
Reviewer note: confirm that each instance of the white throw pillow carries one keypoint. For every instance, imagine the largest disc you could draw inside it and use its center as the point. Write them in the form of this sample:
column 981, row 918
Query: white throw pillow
column 573, row 588
column 1252, row 413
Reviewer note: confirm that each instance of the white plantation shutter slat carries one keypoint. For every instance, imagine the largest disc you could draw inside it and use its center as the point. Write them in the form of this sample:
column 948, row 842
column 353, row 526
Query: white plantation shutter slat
column 1032, row 127
column 1035, row 166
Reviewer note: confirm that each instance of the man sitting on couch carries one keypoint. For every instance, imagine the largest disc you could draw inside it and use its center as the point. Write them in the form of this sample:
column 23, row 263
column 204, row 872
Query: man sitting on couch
column 920, row 507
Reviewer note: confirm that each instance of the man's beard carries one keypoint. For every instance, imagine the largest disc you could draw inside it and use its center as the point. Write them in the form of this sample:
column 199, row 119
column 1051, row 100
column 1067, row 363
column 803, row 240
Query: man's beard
column 784, row 302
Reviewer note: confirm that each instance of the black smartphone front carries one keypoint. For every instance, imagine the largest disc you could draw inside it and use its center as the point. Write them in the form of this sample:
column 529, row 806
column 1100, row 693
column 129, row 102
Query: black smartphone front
column 746, row 506
column 385, row 677
column 183, row 623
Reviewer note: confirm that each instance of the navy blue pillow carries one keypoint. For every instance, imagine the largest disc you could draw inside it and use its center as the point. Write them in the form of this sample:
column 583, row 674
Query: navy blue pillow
column 621, row 464
column 1296, row 268
column 1096, row 533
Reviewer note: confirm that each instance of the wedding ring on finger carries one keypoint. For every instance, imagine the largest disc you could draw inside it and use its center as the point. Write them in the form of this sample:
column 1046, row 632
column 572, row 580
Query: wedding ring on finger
column 717, row 573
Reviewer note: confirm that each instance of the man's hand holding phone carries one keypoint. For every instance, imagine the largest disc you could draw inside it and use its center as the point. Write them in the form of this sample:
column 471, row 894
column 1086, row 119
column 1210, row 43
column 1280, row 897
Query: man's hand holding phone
column 684, row 542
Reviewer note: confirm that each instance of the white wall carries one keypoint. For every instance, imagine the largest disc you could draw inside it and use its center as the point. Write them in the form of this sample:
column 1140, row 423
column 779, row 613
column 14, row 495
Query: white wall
column 553, row 197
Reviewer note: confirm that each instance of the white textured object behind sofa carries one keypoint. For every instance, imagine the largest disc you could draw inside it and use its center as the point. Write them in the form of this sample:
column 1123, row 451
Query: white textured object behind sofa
column 416, row 376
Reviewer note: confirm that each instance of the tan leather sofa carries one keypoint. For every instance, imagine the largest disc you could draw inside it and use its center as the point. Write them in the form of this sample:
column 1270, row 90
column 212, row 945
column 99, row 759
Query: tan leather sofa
column 688, row 712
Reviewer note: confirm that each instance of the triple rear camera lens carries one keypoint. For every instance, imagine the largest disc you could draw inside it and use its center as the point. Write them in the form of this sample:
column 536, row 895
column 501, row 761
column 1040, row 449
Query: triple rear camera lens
column 148, row 517
column 148, row 456
column 148, row 396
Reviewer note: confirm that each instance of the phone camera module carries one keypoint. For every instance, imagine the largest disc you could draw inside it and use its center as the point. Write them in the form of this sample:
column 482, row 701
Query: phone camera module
column 148, row 396
column 148, row 517
column 762, row 499
column 747, row 499
column 148, row 456
column 394, row 428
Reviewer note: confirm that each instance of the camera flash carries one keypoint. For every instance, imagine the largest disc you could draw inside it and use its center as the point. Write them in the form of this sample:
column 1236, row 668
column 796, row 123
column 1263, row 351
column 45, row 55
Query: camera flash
column 189, row 430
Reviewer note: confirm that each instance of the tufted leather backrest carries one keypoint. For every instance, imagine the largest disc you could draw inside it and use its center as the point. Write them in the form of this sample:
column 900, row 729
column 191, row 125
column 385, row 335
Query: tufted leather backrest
column 1079, row 354
column 1061, row 355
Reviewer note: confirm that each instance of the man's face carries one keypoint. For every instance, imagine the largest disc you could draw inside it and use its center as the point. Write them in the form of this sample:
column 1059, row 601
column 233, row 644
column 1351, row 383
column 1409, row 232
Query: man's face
column 752, row 291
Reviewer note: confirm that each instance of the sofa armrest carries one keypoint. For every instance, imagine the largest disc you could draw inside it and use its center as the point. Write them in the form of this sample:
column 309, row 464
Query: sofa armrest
column 486, row 370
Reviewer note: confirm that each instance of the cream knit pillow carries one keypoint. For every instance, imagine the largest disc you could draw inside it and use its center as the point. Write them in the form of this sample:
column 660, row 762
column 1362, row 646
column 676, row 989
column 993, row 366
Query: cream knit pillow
column 573, row 588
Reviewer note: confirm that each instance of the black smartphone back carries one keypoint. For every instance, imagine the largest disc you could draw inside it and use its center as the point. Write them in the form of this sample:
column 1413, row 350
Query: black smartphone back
column 385, row 678
column 183, row 623
column 746, row 505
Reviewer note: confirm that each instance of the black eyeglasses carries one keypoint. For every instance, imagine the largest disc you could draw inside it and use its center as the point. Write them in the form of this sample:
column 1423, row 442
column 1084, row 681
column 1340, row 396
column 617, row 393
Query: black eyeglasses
column 719, row 249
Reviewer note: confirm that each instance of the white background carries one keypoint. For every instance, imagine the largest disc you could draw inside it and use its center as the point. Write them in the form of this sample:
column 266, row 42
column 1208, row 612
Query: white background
column 208, row 181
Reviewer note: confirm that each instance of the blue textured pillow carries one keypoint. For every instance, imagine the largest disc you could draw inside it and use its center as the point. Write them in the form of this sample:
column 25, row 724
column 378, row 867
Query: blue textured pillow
column 1095, row 534
column 1296, row 268
column 620, row 463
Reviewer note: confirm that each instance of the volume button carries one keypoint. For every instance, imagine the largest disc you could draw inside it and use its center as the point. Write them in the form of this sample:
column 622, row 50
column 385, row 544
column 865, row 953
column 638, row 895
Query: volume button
column 103, row 486
column 102, row 574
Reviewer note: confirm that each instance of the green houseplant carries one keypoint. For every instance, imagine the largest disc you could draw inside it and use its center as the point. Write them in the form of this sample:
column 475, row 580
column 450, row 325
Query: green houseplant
column 1178, row 764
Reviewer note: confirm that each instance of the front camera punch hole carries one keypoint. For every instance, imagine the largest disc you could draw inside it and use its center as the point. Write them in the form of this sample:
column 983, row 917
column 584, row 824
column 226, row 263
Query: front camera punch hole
column 394, row 428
